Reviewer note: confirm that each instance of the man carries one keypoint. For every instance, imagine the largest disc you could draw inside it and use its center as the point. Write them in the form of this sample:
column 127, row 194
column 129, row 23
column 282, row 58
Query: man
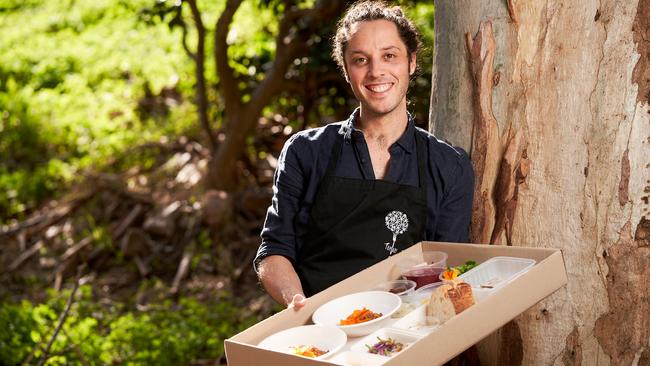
column 349, row 194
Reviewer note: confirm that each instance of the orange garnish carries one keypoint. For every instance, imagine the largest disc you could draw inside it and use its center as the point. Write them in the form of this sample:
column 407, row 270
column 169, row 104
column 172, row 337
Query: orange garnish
column 360, row 316
column 450, row 273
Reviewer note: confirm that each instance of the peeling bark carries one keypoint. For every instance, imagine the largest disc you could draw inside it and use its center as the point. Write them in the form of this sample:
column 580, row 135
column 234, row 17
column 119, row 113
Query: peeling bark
column 623, row 185
column 572, row 355
column 512, row 11
column 625, row 329
column 642, row 234
column 641, row 32
column 498, row 177
column 575, row 84
column 644, row 360
column 485, row 153
column 511, row 350
column 513, row 171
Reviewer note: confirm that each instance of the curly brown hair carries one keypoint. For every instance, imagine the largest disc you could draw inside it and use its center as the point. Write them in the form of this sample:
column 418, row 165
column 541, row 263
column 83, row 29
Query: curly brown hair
column 369, row 10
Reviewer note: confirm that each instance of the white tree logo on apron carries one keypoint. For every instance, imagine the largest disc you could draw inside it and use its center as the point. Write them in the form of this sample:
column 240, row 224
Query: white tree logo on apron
column 397, row 223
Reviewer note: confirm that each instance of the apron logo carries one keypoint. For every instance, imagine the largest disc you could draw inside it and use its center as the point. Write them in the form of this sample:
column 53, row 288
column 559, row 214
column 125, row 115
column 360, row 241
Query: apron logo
column 397, row 223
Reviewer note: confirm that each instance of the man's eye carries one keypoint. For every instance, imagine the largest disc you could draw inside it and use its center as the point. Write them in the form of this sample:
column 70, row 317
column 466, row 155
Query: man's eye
column 390, row 56
column 360, row 60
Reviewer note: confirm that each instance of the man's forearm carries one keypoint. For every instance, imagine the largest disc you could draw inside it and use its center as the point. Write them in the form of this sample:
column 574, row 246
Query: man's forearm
column 279, row 278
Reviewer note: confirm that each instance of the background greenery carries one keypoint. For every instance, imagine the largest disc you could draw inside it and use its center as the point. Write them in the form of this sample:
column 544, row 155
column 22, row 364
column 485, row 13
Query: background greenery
column 81, row 84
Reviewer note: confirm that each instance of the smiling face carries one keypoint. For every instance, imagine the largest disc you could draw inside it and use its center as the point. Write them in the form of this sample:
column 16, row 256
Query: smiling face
column 378, row 68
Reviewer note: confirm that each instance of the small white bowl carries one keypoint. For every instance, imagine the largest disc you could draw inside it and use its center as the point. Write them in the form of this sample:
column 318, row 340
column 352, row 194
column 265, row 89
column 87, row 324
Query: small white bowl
column 405, row 337
column 326, row 338
column 332, row 312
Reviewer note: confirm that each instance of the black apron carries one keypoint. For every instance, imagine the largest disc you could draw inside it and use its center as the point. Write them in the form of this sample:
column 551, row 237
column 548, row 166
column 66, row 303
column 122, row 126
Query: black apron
column 355, row 223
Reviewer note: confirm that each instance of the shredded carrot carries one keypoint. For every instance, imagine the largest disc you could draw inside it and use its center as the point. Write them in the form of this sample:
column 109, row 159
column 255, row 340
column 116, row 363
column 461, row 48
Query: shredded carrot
column 360, row 316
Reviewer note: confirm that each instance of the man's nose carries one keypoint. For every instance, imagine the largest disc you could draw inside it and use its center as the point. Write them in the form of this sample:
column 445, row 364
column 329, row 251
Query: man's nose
column 376, row 69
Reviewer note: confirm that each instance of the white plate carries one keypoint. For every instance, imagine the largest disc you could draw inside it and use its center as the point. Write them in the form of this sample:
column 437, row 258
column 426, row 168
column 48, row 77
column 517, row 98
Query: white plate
column 416, row 321
column 402, row 336
column 325, row 338
column 332, row 312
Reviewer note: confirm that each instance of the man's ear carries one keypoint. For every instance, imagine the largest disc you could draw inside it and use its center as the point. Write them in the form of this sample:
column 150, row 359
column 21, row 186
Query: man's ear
column 413, row 63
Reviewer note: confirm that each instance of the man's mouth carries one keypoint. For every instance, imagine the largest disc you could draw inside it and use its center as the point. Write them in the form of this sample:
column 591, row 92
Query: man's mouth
column 379, row 88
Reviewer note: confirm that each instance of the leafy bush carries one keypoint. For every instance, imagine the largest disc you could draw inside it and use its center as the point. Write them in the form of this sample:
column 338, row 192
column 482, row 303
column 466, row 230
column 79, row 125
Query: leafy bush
column 167, row 334
column 16, row 338
column 71, row 76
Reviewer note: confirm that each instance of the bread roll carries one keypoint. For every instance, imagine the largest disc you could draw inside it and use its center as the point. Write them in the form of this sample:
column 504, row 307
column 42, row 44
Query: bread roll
column 461, row 295
column 440, row 307
column 448, row 300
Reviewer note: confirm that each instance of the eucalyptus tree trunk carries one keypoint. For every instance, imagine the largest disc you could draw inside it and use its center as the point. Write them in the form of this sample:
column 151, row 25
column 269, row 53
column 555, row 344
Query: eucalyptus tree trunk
column 552, row 100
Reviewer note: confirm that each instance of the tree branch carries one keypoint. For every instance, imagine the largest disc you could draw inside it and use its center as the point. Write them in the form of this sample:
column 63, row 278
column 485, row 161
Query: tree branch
column 241, row 119
column 289, row 46
column 227, row 80
column 199, row 60
column 189, row 52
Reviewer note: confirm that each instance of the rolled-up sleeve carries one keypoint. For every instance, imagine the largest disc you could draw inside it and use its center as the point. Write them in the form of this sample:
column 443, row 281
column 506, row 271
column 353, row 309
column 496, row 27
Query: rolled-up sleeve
column 456, row 208
column 278, row 235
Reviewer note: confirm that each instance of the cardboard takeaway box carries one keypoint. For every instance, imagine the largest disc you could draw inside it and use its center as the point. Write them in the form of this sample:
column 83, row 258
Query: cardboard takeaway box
column 453, row 337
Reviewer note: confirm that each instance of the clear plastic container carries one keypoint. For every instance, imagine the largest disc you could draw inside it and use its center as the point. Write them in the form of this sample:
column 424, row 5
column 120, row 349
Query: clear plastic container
column 398, row 287
column 421, row 296
column 496, row 272
column 423, row 275
column 436, row 258
column 401, row 288
column 423, row 272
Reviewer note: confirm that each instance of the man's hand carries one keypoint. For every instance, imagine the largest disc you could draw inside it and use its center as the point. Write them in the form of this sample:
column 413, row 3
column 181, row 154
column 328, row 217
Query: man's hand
column 281, row 281
column 297, row 302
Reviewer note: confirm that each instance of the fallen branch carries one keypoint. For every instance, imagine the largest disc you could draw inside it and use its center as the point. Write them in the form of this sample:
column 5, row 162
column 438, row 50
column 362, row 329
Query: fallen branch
column 62, row 318
column 25, row 256
column 187, row 257
column 40, row 222
column 117, row 184
column 128, row 220
column 143, row 268
column 74, row 250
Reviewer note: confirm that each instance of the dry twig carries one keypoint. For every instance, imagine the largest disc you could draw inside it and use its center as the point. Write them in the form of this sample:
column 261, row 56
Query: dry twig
column 62, row 318
column 187, row 257
column 25, row 256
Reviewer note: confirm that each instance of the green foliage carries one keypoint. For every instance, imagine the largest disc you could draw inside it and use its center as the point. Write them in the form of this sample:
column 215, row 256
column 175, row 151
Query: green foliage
column 72, row 77
column 166, row 334
column 180, row 335
column 15, row 339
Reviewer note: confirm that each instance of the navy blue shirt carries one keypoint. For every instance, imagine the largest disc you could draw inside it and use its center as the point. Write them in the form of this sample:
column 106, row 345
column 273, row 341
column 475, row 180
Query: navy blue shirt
column 303, row 161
